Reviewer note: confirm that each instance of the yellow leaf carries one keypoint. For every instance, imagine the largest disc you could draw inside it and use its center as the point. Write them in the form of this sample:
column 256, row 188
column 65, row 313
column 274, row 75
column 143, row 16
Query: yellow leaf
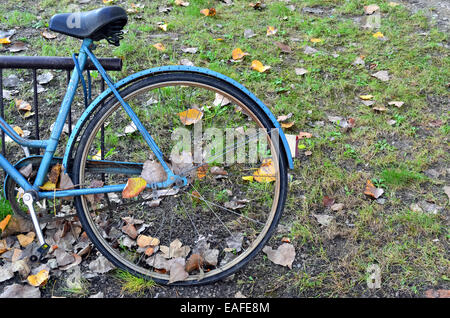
column 271, row 30
column 366, row 97
column 208, row 12
column 48, row 186
column 237, row 54
column 133, row 187
column 258, row 66
column 18, row 130
column 108, row 1
column 159, row 46
column 39, row 279
column 287, row 125
column 248, row 178
column 5, row 41
column 266, row 173
column 162, row 26
column 25, row 240
column 5, row 222
column 98, row 155
column 378, row 35
column 315, row 40
column 219, row 39
column 190, row 116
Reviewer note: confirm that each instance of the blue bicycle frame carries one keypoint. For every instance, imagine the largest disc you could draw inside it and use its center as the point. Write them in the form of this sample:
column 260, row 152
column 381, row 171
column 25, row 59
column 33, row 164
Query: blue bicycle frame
column 51, row 144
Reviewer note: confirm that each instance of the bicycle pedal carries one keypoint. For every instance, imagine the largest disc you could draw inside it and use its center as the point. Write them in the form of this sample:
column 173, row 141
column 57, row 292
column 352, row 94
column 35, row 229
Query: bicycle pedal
column 42, row 251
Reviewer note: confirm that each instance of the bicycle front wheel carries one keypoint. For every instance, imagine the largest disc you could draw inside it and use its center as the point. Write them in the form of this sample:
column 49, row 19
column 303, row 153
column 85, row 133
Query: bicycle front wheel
column 184, row 234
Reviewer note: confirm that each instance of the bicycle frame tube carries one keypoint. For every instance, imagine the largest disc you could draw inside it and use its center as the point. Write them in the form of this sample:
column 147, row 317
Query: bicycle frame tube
column 50, row 144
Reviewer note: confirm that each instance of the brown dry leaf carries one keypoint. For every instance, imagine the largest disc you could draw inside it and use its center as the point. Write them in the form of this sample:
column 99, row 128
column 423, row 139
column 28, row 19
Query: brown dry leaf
column 181, row 3
column 22, row 105
column 258, row 66
column 175, row 250
column 218, row 171
column 238, row 54
column 202, row 170
column 382, row 76
column 373, row 191
column 190, row 116
column 53, row 176
column 304, row 134
column 25, row 240
column 371, row 8
column 379, row 108
column 145, row 240
column 271, row 30
column 130, row 230
column 396, row 103
column 194, row 262
column 5, row 222
column 17, row 47
column 133, row 187
column 283, row 47
column 327, row 201
column 196, row 196
column 284, row 255
column 208, row 12
column 266, row 173
column 40, row 279
column 48, row 35
column 256, row 5
column 284, row 117
column 159, row 46
column 153, row 171
column 177, row 270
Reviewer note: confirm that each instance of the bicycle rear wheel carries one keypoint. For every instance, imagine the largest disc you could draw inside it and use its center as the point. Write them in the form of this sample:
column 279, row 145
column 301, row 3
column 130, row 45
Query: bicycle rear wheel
column 237, row 180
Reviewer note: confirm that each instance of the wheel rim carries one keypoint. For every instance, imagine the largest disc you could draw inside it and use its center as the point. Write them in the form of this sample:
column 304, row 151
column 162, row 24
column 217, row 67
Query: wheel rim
column 214, row 272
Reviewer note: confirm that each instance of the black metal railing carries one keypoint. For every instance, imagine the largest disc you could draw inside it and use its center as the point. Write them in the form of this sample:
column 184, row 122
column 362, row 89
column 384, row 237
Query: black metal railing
column 35, row 63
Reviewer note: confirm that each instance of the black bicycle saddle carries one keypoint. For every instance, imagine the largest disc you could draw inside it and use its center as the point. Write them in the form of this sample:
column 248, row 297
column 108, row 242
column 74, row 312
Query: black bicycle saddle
column 103, row 23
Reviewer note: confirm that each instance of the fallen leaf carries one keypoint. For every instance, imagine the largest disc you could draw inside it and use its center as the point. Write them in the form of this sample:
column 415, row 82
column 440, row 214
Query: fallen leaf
column 236, row 204
column 378, row 35
column 25, row 240
column 202, row 170
column 191, row 50
column 144, row 241
column 218, row 171
column 220, row 100
column 373, row 191
column 162, row 26
column 323, row 219
column 177, row 270
column 133, row 187
column 53, row 176
column 258, row 66
column 283, row 47
column 153, row 172
column 370, row 9
column 48, row 35
column 301, row 71
column 181, row 3
column 284, row 117
column 327, row 201
column 17, row 47
column 248, row 178
column 266, row 173
column 175, row 250
column 284, row 255
column 315, row 40
column 208, row 12
column 190, row 116
column 194, row 262
column 45, row 78
column 271, row 30
column 366, row 97
column 304, row 134
column 396, row 103
column 379, row 108
column 382, row 76
column 238, row 54
column 159, row 47
column 337, row 206
column 22, row 105
column 5, row 41
column 48, row 186
column 5, row 222
column 40, row 279
column 287, row 125
column 130, row 230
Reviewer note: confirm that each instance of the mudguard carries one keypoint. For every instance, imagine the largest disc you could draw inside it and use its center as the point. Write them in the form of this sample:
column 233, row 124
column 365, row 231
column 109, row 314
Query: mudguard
column 145, row 73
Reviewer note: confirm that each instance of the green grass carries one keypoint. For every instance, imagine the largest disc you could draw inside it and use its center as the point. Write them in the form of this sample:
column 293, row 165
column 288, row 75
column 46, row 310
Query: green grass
column 132, row 284
column 5, row 208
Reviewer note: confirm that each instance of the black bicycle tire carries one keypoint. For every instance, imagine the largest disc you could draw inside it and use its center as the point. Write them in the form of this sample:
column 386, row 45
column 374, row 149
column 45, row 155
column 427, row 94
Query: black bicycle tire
column 167, row 77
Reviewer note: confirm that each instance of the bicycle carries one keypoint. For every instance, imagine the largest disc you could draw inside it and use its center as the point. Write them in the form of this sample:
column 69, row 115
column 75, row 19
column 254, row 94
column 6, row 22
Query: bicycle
column 201, row 213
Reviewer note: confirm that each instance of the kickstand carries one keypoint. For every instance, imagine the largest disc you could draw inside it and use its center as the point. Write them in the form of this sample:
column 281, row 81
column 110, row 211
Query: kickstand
column 42, row 250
